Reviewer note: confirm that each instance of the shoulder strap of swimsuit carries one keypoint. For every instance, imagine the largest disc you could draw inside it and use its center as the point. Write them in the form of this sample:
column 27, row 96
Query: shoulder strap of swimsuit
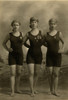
column 58, row 32
column 10, row 35
column 21, row 34
column 40, row 32
column 47, row 33
column 57, row 35
column 28, row 34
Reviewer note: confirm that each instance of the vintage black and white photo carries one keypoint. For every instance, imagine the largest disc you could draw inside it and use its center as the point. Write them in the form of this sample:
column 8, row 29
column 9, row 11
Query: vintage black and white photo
column 33, row 50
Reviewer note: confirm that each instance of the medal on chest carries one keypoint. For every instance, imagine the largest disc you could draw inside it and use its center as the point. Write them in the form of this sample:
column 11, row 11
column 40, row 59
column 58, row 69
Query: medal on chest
column 37, row 38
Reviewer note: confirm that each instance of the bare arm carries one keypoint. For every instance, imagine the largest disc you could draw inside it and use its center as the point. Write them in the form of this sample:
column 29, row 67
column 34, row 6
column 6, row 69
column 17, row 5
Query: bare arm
column 25, row 38
column 61, row 50
column 61, row 38
column 44, row 40
column 5, row 43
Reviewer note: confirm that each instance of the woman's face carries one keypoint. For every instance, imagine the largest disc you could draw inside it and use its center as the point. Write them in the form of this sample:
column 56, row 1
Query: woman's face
column 34, row 24
column 52, row 25
column 16, row 26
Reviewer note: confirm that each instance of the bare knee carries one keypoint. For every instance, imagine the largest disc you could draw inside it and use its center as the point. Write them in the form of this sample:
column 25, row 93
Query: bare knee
column 12, row 74
column 50, row 71
column 36, row 73
column 55, row 75
column 13, row 70
column 18, row 73
column 18, row 70
column 31, row 74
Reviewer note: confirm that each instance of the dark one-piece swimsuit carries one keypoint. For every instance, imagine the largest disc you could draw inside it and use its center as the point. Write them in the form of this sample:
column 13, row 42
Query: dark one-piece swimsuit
column 16, row 56
column 53, row 58
column 34, row 54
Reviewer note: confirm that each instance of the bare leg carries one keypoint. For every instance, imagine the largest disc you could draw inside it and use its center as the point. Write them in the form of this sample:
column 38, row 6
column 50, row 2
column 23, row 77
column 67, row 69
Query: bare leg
column 50, row 78
column 56, row 74
column 31, row 77
column 18, row 76
column 36, row 74
column 12, row 72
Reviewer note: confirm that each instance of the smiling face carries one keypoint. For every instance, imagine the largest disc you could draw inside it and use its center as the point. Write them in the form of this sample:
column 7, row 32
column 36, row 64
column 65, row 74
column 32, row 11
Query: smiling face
column 34, row 24
column 16, row 26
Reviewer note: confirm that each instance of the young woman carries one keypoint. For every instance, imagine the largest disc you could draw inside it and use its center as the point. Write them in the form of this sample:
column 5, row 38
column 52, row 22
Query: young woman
column 53, row 56
column 15, row 58
column 34, row 54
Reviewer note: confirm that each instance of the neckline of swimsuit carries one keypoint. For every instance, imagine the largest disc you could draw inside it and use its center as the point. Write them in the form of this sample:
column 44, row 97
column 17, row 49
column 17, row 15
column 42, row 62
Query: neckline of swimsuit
column 51, row 35
column 35, row 35
column 16, row 36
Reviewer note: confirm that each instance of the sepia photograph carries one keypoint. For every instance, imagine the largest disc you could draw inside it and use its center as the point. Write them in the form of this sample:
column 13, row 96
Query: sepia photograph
column 34, row 49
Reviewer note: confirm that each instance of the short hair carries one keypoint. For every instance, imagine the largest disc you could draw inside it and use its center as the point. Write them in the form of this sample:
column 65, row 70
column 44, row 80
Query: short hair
column 15, row 21
column 52, row 20
column 33, row 19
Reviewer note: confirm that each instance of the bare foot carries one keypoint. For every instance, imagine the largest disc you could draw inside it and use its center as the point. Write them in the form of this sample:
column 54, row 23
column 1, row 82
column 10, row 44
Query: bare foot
column 18, row 91
column 36, row 92
column 32, row 94
column 50, row 92
column 56, row 94
column 12, row 94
